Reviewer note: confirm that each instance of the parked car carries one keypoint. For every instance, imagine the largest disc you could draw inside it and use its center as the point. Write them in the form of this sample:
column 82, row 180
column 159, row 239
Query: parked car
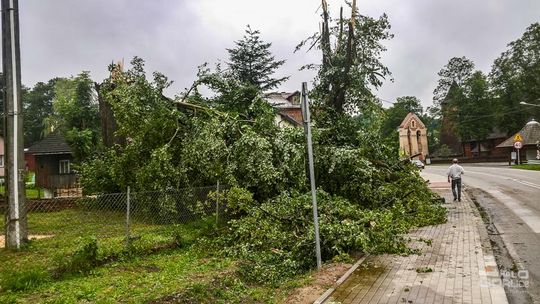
column 418, row 163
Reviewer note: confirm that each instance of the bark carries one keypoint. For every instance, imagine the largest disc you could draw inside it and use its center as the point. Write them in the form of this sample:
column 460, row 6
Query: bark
column 108, row 123
column 341, row 87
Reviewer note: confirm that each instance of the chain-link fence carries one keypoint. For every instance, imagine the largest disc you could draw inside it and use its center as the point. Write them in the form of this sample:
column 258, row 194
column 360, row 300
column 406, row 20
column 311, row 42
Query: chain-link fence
column 121, row 217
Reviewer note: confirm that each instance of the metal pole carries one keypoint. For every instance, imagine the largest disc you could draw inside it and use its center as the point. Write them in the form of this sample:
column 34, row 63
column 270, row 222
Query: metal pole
column 16, row 221
column 128, row 208
column 307, row 128
column 519, row 162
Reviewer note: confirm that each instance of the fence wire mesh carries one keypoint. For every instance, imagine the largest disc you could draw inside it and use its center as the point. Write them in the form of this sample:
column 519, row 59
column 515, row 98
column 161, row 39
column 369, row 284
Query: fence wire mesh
column 119, row 216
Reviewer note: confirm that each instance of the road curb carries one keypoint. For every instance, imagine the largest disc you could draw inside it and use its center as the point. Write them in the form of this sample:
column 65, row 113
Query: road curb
column 343, row 278
column 490, row 276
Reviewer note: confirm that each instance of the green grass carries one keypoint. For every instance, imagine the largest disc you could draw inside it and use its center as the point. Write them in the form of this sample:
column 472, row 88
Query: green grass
column 164, row 261
column 527, row 167
column 30, row 192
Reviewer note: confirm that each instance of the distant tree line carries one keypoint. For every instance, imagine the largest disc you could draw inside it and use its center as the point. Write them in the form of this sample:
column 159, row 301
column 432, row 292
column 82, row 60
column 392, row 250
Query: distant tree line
column 477, row 103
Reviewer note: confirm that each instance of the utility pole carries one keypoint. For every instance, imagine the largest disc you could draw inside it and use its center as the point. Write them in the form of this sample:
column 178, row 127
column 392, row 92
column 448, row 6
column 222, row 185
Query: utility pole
column 16, row 220
column 307, row 129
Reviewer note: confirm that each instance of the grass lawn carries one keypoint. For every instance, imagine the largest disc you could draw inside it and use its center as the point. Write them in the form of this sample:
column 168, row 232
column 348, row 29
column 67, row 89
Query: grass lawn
column 164, row 260
column 527, row 167
column 30, row 192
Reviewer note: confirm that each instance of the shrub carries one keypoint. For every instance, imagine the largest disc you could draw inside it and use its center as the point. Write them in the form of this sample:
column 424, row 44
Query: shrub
column 82, row 260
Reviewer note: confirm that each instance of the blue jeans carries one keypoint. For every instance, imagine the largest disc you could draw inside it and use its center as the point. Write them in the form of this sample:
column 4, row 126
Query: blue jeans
column 456, row 188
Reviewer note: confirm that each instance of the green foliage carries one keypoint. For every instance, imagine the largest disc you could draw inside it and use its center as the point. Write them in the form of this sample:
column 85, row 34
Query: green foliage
column 252, row 63
column 444, row 151
column 471, row 103
column 353, row 67
column 275, row 239
column 477, row 104
column 397, row 112
column 515, row 77
column 466, row 105
column 424, row 270
column 455, row 72
column 368, row 198
column 149, row 121
column 82, row 260
column 103, row 173
column 76, row 114
column 156, row 260
column 527, row 167
column 433, row 124
column 218, row 289
column 22, row 280
column 169, row 147
column 37, row 107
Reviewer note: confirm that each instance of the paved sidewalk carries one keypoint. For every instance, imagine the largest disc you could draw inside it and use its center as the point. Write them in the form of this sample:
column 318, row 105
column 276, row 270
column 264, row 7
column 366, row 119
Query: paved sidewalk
column 456, row 264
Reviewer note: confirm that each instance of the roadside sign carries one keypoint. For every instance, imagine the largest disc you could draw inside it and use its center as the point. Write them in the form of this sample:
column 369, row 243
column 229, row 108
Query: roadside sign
column 518, row 138
column 518, row 145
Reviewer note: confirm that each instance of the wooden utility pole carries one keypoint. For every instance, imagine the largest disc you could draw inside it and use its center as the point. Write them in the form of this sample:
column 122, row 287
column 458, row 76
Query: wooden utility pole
column 16, row 220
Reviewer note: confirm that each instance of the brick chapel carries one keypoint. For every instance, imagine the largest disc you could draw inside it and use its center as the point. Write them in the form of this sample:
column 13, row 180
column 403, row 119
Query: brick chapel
column 413, row 138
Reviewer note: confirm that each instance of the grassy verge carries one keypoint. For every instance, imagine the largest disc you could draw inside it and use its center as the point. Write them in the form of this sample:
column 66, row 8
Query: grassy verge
column 30, row 192
column 527, row 167
column 163, row 264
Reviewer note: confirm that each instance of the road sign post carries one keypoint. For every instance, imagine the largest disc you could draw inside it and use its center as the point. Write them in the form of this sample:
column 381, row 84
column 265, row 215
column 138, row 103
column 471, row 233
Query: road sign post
column 518, row 145
column 307, row 128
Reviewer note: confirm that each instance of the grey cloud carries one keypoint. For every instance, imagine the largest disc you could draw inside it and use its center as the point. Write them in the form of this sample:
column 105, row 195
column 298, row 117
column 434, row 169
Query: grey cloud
column 64, row 37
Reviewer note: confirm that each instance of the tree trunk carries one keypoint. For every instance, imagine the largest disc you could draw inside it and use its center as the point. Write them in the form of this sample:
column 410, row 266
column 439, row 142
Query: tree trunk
column 108, row 123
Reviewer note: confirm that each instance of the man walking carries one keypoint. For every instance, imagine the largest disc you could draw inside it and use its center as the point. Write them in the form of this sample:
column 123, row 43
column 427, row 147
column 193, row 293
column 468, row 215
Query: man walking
column 454, row 174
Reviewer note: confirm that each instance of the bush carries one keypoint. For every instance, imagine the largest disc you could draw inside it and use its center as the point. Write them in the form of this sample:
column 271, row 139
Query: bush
column 82, row 260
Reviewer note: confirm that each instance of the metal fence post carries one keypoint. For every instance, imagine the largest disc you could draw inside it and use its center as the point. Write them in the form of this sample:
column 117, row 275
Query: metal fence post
column 217, row 204
column 128, row 203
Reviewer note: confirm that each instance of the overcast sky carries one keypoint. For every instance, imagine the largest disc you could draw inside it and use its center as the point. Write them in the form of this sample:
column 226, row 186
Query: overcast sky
column 65, row 37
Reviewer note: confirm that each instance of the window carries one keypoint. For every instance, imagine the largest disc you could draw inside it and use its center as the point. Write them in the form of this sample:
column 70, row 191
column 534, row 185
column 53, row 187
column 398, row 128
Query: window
column 65, row 166
column 1, row 160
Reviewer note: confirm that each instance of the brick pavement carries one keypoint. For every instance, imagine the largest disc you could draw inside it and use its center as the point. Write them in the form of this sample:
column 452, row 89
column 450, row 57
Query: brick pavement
column 455, row 264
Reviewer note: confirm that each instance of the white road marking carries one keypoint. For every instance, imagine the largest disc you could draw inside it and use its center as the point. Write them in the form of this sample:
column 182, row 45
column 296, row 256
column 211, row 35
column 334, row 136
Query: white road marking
column 524, row 182
column 525, row 214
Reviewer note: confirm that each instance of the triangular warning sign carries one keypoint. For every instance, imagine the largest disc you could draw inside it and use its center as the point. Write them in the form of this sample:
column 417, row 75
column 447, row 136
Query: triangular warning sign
column 518, row 137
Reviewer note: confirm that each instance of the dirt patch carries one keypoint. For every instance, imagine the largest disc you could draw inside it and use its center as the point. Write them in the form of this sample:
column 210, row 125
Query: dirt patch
column 322, row 280
column 30, row 237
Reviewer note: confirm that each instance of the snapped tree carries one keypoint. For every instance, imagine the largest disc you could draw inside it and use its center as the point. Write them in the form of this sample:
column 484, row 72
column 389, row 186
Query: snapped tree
column 351, row 67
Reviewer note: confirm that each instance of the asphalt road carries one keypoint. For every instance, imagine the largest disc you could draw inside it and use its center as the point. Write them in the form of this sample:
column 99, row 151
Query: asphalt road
column 511, row 198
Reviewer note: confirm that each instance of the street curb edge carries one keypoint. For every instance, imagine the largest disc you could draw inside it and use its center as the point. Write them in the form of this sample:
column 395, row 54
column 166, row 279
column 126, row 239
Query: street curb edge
column 327, row 293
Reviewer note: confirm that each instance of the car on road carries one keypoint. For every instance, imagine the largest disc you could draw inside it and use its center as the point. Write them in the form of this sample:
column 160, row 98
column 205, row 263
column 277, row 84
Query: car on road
column 418, row 163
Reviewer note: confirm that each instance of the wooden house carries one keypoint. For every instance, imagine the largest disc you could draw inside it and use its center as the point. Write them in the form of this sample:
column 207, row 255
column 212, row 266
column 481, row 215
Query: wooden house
column 289, row 112
column 530, row 141
column 53, row 163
